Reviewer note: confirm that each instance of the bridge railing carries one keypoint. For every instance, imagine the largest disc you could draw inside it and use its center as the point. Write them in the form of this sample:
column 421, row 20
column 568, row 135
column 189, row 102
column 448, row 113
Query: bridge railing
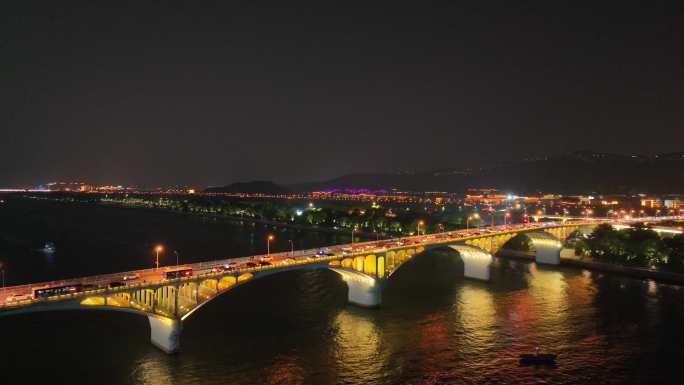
column 200, row 266
column 104, row 279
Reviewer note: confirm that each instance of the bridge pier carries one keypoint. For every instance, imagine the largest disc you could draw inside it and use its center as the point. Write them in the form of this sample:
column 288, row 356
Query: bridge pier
column 547, row 247
column 476, row 262
column 165, row 333
column 364, row 290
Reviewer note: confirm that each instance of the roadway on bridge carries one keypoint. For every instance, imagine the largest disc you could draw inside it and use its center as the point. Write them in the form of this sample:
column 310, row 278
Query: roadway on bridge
column 21, row 295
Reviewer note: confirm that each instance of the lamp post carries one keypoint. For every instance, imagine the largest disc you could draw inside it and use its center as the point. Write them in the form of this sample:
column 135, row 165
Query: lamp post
column 353, row 229
column 268, row 244
column 470, row 218
column 420, row 223
column 177, row 257
column 506, row 216
column 158, row 250
column 291, row 246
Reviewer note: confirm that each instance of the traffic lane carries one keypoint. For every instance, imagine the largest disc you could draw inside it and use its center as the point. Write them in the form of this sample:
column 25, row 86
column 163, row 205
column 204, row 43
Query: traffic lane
column 157, row 276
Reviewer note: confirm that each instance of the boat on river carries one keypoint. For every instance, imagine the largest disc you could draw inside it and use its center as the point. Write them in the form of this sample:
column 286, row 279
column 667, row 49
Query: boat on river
column 538, row 358
column 49, row 248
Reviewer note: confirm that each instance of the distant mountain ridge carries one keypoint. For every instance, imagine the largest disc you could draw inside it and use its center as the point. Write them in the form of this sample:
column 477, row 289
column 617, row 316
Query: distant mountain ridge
column 254, row 187
column 576, row 172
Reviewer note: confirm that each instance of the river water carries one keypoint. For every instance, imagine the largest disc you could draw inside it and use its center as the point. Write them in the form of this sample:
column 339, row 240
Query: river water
column 434, row 327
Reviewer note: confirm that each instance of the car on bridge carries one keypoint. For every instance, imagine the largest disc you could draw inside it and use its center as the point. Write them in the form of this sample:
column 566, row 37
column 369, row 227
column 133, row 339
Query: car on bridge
column 18, row 297
column 177, row 273
column 131, row 277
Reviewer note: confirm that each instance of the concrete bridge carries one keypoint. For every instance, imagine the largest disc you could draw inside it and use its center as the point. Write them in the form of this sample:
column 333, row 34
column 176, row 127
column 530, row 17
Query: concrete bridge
column 364, row 267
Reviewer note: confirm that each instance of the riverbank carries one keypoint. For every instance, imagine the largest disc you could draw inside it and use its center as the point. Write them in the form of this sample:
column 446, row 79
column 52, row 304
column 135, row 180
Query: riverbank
column 361, row 234
column 630, row 271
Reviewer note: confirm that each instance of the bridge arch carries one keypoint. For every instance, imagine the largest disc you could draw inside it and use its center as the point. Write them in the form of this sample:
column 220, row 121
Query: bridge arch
column 546, row 245
column 477, row 262
column 363, row 290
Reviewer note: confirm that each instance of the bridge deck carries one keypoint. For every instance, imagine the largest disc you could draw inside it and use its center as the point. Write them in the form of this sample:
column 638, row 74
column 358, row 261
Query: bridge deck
column 18, row 296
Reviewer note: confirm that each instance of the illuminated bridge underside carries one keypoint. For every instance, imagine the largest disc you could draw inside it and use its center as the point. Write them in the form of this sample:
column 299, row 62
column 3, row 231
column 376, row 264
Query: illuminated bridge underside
column 476, row 262
column 364, row 290
column 547, row 244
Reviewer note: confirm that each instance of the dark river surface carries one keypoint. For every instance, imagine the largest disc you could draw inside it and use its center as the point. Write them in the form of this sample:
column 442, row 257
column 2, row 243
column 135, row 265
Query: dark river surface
column 434, row 327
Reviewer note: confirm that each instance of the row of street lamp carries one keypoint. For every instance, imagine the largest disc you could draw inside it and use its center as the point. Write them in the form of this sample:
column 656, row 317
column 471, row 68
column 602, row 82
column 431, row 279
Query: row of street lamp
column 160, row 249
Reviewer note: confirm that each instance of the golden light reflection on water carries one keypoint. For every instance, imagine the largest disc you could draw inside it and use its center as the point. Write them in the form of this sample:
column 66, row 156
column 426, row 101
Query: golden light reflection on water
column 357, row 345
column 652, row 287
column 285, row 370
column 153, row 370
column 548, row 290
column 477, row 313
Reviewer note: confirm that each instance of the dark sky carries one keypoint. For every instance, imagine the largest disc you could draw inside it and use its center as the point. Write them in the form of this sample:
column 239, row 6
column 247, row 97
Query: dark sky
column 150, row 93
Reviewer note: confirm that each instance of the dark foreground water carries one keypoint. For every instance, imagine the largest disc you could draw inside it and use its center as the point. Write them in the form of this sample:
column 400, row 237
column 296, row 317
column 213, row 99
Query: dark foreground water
column 434, row 327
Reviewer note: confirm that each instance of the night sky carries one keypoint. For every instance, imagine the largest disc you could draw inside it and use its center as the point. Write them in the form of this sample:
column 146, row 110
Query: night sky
column 150, row 93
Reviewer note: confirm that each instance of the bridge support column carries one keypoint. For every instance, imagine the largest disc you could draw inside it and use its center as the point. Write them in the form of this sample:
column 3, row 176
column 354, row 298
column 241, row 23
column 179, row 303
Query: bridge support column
column 547, row 247
column 165, row 333
column 364, row 290
column 476, row 262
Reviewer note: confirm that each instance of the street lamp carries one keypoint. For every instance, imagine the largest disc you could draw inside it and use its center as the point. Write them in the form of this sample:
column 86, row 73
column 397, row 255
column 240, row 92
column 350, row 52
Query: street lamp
column 420, row 223
column 470, row 218
column 268, row 243
column 177, row 257
column 291, row 246
column 158, row 250
column 506, row 216
column 353, row 229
